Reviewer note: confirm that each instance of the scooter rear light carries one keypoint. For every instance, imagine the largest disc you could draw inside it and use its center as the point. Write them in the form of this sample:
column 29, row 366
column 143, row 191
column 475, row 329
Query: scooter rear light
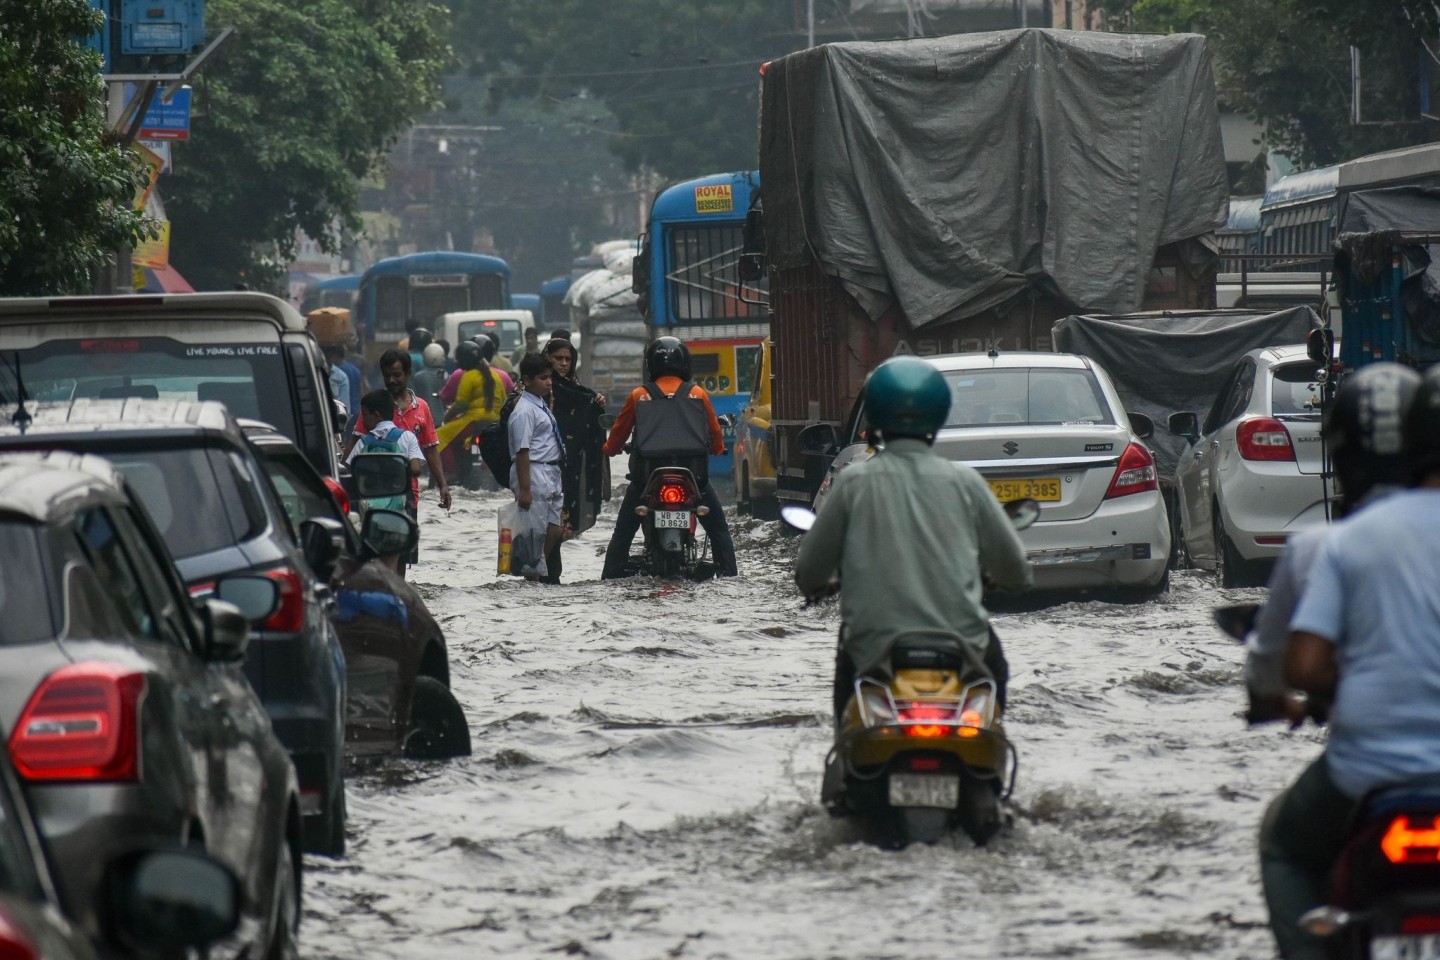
column 1263, row 438
column 82, row 723
column 915, row 715
column 1134, row 474
column 1405, row 842
column 925, row 764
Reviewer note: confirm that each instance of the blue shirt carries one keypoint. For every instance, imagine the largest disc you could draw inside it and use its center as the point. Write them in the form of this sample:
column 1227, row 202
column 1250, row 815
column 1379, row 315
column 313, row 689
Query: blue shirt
column 1374, row 591
column 533, row 427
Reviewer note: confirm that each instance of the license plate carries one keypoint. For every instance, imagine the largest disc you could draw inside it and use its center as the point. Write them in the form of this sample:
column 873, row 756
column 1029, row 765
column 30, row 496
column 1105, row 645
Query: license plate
column 1420, row 946
column 924, row 790
column 1044, row 489
column 672, row 519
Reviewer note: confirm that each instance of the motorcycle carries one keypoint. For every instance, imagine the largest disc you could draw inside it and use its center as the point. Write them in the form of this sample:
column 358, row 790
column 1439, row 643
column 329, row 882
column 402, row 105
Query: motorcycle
column 926, row 750
column 670, row 510
column 1385, row 886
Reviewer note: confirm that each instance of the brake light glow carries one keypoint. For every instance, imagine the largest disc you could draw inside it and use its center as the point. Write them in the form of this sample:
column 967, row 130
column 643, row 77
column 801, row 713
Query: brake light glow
column 202, row 589
column 927, row 764
column 13, row 944
column 920, row 712
column 82, row 723
column 289, row 616
column 1135, row 473
column 1420, row 924
column 671, row 493
column 342, row 499
column 1263, row 438
column 109, row 346
column 1403, row 843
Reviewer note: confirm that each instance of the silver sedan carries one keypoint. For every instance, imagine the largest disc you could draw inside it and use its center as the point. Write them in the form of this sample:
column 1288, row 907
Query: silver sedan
column 1050, row 426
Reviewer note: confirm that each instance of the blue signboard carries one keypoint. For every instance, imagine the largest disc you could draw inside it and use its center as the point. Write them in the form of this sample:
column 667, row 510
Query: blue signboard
column 168, row 121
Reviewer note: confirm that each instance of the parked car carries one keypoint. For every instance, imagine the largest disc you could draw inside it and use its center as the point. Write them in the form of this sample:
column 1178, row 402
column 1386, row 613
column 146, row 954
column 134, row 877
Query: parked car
column 212, row 502
column 251, row 351
column 396, row 662
column 753, row 466
column 1252, row 476
column 131, row 722
column 1047, row 426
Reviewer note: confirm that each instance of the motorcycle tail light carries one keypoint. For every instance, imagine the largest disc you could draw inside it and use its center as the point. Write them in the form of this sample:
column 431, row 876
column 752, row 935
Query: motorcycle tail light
column 915, row 715
column 1420, row 924
column 925, row 764
column 671, row 494
column 1263, row 438
column 82, row 723
column 1134, row 474
column 289, row 616
column 1404, row 842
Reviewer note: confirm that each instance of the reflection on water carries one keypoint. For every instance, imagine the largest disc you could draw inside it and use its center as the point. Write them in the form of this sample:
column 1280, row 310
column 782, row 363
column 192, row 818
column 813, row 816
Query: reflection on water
column 647, row 764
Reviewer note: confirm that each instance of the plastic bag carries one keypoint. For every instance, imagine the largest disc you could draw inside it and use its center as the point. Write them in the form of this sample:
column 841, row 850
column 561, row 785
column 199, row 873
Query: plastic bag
column 527, row 542
column 506, row 520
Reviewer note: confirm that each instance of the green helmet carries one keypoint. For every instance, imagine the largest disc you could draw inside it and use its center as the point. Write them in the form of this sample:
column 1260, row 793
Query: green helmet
column 906, row 397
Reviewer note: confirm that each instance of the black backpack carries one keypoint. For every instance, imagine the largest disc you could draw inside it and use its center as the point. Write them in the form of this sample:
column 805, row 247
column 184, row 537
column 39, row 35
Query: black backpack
column 495, row 443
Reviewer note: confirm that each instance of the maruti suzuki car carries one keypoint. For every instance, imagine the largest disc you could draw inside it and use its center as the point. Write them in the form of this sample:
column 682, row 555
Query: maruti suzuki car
column 1048, row 426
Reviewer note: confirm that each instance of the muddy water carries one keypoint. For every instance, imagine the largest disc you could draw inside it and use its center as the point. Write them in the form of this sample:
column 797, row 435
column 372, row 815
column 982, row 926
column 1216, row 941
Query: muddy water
column 646, row 777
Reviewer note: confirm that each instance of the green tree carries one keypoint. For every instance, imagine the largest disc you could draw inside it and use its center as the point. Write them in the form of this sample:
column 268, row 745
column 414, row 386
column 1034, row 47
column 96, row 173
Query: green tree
column 297, row 109
column 1286, row 63
column 66, row 186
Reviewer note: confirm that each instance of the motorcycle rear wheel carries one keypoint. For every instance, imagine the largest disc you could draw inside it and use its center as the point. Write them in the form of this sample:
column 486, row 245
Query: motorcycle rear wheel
column 922, row 824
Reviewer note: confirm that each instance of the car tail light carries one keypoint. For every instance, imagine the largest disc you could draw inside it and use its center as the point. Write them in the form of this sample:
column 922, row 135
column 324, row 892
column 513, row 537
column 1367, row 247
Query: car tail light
column 14, row 945
column 342, row 499
column 1263, row 438
column 202, row 589
column 1134, row 474
column 289, row 616
column 1404, row 842
column 82, row 723
column 1420, row 924
column 671, row 494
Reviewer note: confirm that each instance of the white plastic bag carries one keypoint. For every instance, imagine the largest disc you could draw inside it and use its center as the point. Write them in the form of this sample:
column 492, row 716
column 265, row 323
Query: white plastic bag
column 505, row 521
column 527, row 542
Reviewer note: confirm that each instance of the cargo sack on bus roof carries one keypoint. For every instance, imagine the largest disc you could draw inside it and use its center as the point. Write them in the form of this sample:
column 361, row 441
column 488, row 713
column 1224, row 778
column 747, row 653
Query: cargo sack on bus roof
column 953, row 175
column 675, row 427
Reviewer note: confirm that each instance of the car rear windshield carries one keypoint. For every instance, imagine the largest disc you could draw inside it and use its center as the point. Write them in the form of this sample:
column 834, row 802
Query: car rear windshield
column 24, row 607
column 1293, row 390
column 249, row 378
column 200, row 498
column 1025, row 396
column 509, row 331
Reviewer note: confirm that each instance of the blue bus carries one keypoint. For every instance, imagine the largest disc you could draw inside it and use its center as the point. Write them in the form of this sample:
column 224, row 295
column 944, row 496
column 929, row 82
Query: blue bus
column 688, row 277
column 423, row 286
column 332, row 292
column 553, row 312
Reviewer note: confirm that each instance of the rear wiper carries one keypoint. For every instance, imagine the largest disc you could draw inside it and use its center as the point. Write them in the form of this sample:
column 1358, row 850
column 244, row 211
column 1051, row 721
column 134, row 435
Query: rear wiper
column 21, row 417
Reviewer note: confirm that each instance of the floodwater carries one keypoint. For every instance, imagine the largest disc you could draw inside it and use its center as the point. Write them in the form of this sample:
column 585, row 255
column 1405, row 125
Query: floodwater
column 646, row 774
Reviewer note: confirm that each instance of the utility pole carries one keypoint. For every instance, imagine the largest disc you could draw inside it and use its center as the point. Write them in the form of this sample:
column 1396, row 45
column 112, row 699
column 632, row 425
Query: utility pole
column 809, row 23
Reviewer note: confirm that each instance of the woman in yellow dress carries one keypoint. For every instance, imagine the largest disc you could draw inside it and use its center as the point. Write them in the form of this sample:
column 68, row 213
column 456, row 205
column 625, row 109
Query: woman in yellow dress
column 478, row 399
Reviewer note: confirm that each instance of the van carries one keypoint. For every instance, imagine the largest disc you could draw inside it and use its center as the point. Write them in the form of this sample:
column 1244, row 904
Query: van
column 467, row 324
column 250, row 351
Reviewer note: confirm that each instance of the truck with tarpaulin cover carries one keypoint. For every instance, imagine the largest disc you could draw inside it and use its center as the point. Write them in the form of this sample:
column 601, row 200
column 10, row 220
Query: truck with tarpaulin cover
column 963, row 193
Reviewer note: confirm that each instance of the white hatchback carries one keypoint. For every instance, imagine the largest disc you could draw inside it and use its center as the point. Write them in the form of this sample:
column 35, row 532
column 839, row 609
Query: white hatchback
column 1049, row 426
column 1253, row 474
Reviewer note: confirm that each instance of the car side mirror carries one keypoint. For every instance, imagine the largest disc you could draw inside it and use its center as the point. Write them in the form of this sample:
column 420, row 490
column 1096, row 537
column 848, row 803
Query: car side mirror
column 1185, row 425
column 1022, row 513
column 727, row 420
column 255, row 597
column 168, row 901
column 797, row 517
column 387, row 533
column 322, row 540
column 819, row 438
column 1143, row 426
column 378, row 475
column 1320, row 346
column 227, row 631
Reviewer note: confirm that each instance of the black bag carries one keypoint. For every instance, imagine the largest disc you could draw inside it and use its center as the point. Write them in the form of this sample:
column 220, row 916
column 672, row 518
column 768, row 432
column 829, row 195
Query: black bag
column 672, row 428
column 495, row 443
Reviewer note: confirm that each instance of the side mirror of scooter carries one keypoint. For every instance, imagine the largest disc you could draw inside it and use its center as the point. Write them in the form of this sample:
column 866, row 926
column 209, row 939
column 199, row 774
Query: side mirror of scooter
column 1022, row 512
column 607, row 420
column 797, row 517
column 1237, row 619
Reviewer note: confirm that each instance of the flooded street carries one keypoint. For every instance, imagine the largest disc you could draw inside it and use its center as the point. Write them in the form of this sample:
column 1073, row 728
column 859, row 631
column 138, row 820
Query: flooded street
column 646, row 772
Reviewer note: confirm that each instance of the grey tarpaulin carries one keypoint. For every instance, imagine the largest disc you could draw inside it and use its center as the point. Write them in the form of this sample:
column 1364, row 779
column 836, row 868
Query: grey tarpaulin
column 1163, row 363
column 955, row 174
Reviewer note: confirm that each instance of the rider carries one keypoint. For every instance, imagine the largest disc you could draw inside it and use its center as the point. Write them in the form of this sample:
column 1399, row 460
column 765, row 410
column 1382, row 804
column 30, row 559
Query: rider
column 911, row 535
column 667, row 365
column 1362, row 649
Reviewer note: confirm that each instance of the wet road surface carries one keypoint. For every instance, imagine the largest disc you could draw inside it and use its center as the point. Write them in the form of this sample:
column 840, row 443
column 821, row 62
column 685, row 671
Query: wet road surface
column 646, row 773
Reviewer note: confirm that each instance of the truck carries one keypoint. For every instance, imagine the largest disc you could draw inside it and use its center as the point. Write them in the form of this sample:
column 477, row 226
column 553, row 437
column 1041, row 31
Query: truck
column 611, row 333
column 964, row 193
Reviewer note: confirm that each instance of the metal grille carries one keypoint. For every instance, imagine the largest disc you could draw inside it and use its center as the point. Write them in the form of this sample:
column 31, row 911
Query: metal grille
column 704, row 281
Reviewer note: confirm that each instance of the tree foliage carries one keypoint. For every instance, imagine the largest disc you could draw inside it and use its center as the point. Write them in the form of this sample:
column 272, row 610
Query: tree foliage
column 1286, row 63
column 66, row 187
column 297, row 109
column 681, row 79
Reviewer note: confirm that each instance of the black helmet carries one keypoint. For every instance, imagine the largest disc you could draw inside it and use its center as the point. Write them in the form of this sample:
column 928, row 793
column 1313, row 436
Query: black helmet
column 467, row 354
column 420, row 338
column 1364, row 428
column 485, row 345
column 667, row 357
column 1422, row 429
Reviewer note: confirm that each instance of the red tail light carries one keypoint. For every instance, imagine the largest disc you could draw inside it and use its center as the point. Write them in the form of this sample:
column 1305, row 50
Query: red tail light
column 342, row 499
column 1264, row 438
column 13, row 944
column 289, row 617
column 83, row 723
column 918, row 712
column 1134, row 474
column 1420, row 924
column 1404, row 843
column 925, row 764
column 672, row 494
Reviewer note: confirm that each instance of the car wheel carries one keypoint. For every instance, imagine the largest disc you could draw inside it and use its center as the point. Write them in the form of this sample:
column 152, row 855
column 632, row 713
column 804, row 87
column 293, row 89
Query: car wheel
column 285, row 912
column 333, row 832
column 1233, row 569
column 438, row 729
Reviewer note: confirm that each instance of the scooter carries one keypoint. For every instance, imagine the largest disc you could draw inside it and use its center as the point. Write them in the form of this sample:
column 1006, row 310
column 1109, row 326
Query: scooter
column 1385, row 886
column 926, row 750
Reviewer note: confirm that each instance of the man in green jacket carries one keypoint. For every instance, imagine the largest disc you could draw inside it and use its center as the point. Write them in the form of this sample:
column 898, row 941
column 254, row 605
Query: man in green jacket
column 912, row 537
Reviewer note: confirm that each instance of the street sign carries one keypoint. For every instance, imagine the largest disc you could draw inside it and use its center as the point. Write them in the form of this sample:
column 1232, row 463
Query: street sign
column 167, row 121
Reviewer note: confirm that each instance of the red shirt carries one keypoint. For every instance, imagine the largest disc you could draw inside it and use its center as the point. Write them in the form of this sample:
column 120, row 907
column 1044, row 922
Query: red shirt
column 625, row 423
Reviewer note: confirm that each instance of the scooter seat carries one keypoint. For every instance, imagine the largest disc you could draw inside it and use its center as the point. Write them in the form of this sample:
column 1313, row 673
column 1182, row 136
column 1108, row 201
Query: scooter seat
column 930, row 655
column 1420, row 793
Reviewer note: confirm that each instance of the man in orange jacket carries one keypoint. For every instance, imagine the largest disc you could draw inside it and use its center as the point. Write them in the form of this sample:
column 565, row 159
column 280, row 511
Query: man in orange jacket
column 667, row 365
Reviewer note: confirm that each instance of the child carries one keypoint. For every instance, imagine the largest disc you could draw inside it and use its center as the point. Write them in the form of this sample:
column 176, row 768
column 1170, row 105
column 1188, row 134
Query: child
column 377, row 414
column 537, row 454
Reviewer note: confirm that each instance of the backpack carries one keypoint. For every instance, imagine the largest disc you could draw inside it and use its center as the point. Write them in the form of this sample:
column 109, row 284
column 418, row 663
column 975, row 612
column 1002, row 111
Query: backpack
column 675, row 427
column 390, row 443
column 495, row 442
